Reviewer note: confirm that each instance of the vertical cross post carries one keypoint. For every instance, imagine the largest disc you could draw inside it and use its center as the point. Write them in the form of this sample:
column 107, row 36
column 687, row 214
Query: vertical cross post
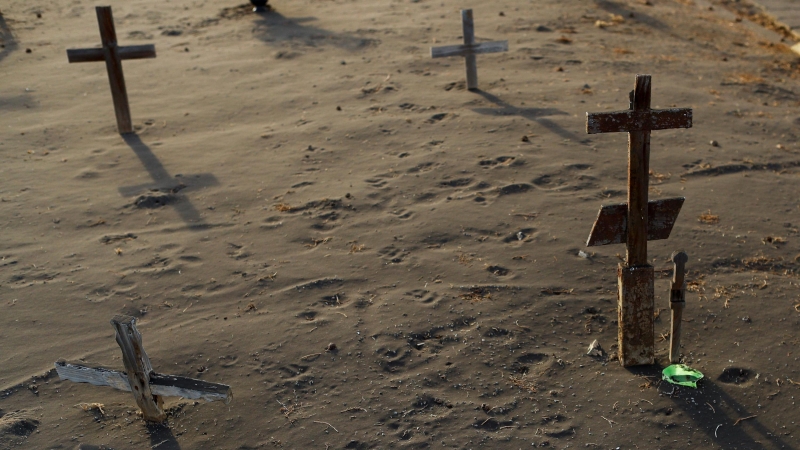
column 468, row 26
column 138, row 368
column 469, row 49
column 108, row 36
column 636, row 277
column 638, row 178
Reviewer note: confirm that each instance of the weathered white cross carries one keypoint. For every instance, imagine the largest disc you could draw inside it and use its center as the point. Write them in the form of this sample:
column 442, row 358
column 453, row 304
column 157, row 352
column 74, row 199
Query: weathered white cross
column 638, row 220
column 147, row 387
column 469, row 49
column 113, row 56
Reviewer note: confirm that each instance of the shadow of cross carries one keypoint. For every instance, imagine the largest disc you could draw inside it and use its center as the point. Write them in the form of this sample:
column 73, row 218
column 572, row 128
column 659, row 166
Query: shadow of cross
column 533, row 114
column 469, row 49
column 147, row 386
column 638, row 220
column 164, row 187
column 113, row 56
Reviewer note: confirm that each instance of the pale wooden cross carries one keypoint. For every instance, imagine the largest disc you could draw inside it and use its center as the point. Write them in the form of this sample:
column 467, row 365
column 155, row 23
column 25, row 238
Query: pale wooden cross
column 638, row 220
column 469, row 49
column 113, row 56
column 147, row 387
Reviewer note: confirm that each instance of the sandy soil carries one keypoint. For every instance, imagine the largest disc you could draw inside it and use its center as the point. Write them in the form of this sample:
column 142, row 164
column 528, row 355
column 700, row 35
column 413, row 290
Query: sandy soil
column 310, row 176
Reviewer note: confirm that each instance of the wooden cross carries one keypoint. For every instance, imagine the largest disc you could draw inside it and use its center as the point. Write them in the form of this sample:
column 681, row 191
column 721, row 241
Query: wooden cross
column 469, row 49
column 113, row 56
column 147, row 387
column 638, row 220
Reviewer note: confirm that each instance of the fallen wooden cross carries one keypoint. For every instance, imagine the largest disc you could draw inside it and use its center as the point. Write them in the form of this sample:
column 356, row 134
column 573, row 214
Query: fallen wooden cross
column 113, row 55
column 638, row 220
column 469, row 49
column 147, row 387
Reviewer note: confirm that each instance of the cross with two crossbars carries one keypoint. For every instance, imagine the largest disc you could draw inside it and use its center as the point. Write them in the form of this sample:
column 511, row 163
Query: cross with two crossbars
column 638, row 220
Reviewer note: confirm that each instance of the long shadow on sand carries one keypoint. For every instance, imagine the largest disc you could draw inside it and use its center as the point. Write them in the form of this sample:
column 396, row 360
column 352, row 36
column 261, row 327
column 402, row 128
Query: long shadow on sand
column 537, row 115
column 161, row 437
column 164, row 186
column 717, row 423
column 275, row 28
column 6, row 39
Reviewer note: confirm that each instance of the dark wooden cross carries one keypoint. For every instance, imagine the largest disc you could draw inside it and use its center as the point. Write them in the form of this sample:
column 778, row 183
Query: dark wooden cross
column 469, row 49
column 113, row 56
column 638, row 220
column 147, row 387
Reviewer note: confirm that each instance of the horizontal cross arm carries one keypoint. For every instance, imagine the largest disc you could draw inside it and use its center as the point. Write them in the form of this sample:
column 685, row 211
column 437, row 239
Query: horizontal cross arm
column 78, row 55
column 98, row 376
column 475, row 49
column 164, row 385
column 191, row 388
column 628, row 120
column 611, row 226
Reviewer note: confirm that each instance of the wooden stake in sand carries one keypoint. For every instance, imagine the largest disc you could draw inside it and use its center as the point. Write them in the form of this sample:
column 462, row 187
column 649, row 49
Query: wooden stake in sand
column 469, row 49
column 147, row 387
column 113, row 56
column 638, row 220
column 677, row 301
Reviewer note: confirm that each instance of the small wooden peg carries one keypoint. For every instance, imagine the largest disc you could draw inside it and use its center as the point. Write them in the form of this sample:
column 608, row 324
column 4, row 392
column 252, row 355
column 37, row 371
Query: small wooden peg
column 677, row 301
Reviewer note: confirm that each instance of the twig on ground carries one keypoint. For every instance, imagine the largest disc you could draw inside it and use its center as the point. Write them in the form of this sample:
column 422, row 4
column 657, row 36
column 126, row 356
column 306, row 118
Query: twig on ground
column 610, row 422
column 712, row 408
column 326, row 423
column 743, row 418
column 355, row 408
column 715, row 430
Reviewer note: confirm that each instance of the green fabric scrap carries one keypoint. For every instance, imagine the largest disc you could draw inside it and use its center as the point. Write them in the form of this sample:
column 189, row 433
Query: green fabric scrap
column 682, row 375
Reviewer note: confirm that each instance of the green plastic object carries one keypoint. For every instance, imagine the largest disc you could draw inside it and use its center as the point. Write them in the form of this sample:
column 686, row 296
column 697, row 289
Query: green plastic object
column 682, row 375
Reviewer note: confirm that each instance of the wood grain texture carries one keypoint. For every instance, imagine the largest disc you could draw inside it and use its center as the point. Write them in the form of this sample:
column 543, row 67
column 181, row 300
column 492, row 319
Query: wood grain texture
column 676, row 306
column 635, row 314
column 611, row 225
column 677, row 302
column 97, row 376
column 191, row 388
column 160, row 385
column 627, row 121
column 638, row 179
column 79, row 55
column 138, row 368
